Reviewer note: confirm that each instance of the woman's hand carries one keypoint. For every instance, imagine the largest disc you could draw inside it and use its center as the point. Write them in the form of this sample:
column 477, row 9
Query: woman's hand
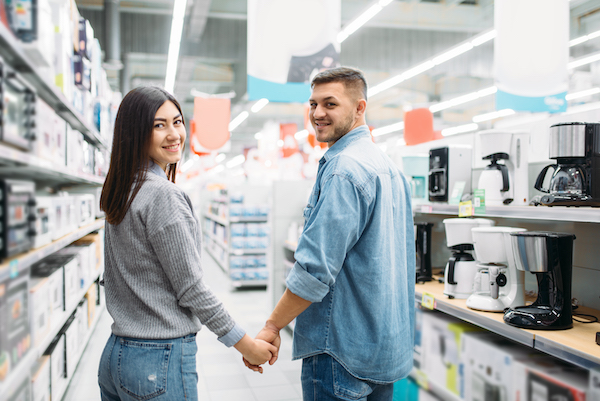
column 255, row 352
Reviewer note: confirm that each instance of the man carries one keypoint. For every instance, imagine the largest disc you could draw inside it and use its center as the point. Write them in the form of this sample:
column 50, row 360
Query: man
column 352, row 286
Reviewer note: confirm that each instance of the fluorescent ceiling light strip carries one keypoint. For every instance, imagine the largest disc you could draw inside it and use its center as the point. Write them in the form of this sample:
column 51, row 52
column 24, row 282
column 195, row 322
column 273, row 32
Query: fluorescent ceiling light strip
column 450, row 54
column 582, row 108
column 493, row 115
column 259, row 105
column 483, row 37
column 584, row 38
column 460, row 129
column 462, row 99
column 577, row 95
column 174, row 43
column 238, row 120
column 258, row 136
column 584, row 60
column 358, row 22
column 388, row 129
column 187, row 165
column 301, row 134
column 236, row 161
column 220, row 157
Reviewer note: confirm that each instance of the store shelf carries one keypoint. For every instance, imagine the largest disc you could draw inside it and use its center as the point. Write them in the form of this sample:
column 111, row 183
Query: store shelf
column 216, row 258
column 576, row 345
column 27, row 166
column 556, row 213
column 421, row 379
column 12, row 51
column 221, row 220
column 28, row 258
column 15, row 378
column 242, row 219
column 249, row 283
column 241, row 252
column 217, row 241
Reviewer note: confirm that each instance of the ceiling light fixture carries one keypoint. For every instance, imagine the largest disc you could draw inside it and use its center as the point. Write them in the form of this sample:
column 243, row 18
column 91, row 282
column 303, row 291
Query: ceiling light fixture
column 238, row 120
column 584, row 38
column 461, row 129
column 174, row 43
column 220, row 157
column 236, row 161
column 361, row 20
column 584, row 60
column 388, row 129
column 577, row 95
column 493, row 115
column 301, row 134
column 259, row 105
column 462, row 99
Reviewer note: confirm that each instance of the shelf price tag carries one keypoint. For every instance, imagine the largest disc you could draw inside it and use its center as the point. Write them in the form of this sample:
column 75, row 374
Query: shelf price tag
column 426, row 209
column 479, row 201
column 421, row 379
column 13, row 268
column 428, row 301
column 465, row 209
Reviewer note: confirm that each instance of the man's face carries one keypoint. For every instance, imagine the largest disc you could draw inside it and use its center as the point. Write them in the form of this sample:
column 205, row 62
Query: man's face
column 333, row 112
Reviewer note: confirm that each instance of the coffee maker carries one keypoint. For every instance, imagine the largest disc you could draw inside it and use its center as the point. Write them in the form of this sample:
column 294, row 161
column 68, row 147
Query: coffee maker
column 462, row 267
column 576, row 177
column 549, row 256
column 423, row 251
column 498, row 284
column 447, row 166
column 505, row 179
column 416, row 169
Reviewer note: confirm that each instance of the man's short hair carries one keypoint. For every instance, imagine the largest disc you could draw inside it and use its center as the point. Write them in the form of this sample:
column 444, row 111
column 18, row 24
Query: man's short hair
column 353, row 79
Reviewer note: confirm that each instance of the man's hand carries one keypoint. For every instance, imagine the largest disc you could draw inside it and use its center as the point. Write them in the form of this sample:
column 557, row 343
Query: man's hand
column 270, row 334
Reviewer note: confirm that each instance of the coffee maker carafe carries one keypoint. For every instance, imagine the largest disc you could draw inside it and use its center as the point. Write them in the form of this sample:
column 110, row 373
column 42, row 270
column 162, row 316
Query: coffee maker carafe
column 462, row 267
column 423, row 251
column 498, row 284
column 575, row 179
column 549, row 256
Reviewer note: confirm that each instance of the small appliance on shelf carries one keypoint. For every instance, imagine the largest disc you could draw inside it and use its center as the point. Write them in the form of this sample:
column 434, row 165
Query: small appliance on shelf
column 576, row 178
column 448, row 166
column 549, row 256
column 423, row 251
column 498, row 284
column 505, row 179
column 17, row 219
column 416, row 169
column 459, row 275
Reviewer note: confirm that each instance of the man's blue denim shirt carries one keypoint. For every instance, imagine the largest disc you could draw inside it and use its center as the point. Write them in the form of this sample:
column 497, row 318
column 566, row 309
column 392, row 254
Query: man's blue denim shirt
column 356, row 262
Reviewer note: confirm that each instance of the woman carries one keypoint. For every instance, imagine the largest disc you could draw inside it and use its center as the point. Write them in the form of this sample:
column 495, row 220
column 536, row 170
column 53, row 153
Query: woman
column 153, row 279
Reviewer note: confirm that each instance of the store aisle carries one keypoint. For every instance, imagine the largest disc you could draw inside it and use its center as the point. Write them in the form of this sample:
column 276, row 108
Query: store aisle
column 222, row 375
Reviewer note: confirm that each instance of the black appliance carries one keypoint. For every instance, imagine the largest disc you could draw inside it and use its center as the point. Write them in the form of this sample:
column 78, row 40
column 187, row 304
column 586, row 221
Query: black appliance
column 17, row 109
column 575, row 179
column 17, row 217
column 423, row 251
column 448, row 166
column 549, row 256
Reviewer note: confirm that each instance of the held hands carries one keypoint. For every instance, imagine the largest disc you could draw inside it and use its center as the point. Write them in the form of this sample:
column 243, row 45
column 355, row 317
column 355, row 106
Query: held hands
column 269, row 334
column 255, row 352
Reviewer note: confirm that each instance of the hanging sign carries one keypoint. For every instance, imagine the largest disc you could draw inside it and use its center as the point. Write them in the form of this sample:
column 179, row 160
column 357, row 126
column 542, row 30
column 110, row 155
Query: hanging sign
column 210, row 129
column 288, row 42
column 531, row 52
column 286, row 134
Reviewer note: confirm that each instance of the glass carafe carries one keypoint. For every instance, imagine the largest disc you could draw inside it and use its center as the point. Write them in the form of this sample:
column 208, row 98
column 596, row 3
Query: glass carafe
column 567, row 179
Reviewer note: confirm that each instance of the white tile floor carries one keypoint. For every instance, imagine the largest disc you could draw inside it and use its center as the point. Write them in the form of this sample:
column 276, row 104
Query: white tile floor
column 222, row 375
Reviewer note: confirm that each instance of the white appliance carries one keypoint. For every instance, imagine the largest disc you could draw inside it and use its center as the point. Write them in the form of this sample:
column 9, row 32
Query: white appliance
column 85, row 209
column 447, row 167
column 498, row 283
column 45, row 220
column 460, row 271
column 505, row 179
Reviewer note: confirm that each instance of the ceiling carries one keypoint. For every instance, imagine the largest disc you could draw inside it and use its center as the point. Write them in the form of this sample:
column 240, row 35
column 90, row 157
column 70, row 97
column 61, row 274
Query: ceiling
column 213, row 54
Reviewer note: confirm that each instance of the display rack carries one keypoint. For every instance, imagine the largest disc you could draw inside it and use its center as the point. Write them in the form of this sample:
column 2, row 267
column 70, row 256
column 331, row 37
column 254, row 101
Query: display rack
column 421, row 379
column 11, row 50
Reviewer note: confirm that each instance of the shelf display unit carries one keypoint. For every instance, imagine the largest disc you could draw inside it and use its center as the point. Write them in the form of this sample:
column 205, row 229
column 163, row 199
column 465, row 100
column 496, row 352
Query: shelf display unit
column 237, row 235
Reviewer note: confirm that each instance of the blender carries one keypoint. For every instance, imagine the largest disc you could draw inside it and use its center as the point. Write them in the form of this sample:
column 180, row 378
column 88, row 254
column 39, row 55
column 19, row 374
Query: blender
column 462, row 267
column 548, row 255
column 575, row 179
column 498, row 284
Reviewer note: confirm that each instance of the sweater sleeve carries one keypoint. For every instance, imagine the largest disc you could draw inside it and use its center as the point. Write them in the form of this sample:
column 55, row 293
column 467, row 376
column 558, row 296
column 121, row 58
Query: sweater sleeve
column 177, row 244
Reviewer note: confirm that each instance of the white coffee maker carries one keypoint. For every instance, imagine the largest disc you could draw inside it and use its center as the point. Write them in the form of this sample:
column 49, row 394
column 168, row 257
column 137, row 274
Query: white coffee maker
column 505, row 179
column 498, row 284
column 462, row 267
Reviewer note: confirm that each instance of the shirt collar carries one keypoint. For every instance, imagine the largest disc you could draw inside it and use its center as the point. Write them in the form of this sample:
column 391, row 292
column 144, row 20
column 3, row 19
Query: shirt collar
column 155, row 168
column 359, row 132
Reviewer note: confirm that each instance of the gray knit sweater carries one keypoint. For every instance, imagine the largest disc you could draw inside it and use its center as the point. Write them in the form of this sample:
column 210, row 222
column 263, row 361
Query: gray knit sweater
column 153, row 278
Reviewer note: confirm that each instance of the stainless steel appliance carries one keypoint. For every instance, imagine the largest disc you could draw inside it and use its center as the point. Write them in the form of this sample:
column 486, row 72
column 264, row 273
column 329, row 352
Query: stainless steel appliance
column 17, row 206
column 17, row 117
column 549, row 256
column 575, row 179
column 448, row 166
column 423, row 251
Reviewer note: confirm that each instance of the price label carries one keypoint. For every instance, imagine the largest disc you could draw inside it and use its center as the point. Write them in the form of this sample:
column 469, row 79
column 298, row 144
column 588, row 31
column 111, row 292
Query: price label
column 13, row 268
column 426, row 209
column 465, row 209
column 428, row 301
column 421, row 379
column 238, row 252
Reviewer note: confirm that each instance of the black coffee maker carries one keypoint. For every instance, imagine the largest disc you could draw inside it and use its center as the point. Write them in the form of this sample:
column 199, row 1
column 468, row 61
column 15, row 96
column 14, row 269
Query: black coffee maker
column 423, row 245
column 576, row 177
column 549, row 256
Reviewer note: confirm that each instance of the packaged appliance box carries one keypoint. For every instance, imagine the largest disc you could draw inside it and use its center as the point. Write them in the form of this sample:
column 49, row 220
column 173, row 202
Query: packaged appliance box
column 15, row 331
column 52, row 269
column 41, row 309
column 441, row 345
column 91, row 298
column 44, row 118
column 84, row 260
column 70, row 268
column 45, row 220
column 594, row 386
column 71, row 332
column 40, row 379
column 58, row 375
column 41, row 49
column 98, row 240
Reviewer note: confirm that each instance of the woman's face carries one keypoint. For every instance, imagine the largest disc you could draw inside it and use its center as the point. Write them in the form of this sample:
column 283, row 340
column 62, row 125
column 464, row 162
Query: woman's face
column 168, row 135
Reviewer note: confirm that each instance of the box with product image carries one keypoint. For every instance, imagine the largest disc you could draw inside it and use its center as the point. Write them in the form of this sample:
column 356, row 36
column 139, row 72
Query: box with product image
column 441, row 345
column 545, row 378
column 58, row 376
column 71, row 333
column 91, row 297
column 95, row 240
column 70, row 269
column 40, row 379
column 85, row 255
column 43, row 146
column 594, row 386
column 41, row 309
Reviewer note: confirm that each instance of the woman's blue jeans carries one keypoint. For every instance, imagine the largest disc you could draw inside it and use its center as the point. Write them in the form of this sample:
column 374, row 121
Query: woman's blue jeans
column 325, row 379
column 133, row 369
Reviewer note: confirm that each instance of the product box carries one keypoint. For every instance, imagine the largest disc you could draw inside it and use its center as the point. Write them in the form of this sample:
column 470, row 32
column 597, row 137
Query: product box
column 15, row 331
column 40, row 305
column 59, row 153
column 91, row 297
column 45, row 220
column 71, row 332
column 22, row 391
column 45, row 130
column 441, row 345
column 97, row 239
column 70, row 267
column 40, row 379
column 41, row 49
column 52, row 269
column 58, row 376
column 81, row 317
column 547, row 378
column 63, row 49
column 86, row 257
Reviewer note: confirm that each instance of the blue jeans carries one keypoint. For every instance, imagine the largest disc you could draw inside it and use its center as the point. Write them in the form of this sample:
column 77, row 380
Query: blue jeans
column 325, row 379
column 162, row 370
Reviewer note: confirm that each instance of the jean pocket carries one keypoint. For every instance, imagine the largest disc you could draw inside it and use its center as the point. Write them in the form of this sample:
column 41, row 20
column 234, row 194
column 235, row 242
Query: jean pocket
column 143, row 368
column 346, row 386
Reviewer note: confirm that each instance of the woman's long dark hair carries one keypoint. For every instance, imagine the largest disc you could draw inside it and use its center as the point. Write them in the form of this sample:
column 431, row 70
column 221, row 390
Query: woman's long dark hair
column 131, row 150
